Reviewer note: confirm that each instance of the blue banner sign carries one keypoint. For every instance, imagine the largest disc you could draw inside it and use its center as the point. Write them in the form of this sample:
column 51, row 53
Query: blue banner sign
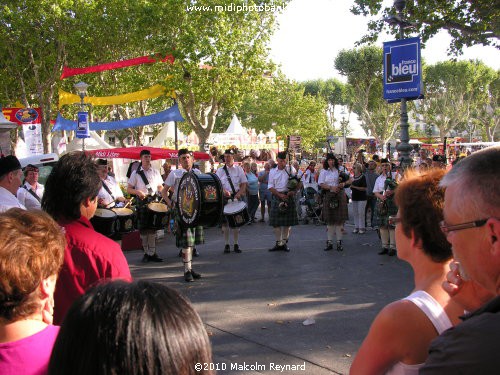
column 402, row 70
column 82, row 129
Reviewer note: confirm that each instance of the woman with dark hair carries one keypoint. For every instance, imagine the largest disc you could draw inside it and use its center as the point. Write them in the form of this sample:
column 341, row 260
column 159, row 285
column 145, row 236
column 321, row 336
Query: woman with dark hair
column 332, row 183
column 400, row 335
column 31, row 253
column 71, row 199
column 131, row 329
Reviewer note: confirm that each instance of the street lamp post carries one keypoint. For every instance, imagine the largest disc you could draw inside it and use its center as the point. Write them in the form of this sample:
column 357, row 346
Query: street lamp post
column 81, row 90
column 404, row 148
column 344, row 124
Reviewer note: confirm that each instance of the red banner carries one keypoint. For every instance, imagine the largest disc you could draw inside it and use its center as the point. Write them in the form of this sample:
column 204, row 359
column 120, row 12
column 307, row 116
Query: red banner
column 23, row 116
column 68, row 72
column 133, row 153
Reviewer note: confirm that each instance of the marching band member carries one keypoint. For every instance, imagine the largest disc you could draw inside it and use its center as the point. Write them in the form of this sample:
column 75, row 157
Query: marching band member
column 234, row 184
column 110, row 192
column 145, row 183
column 384, row 188
column 10, row 180
column 185, row 238
column 30, row 194
column 332, row 182
column 283, row 213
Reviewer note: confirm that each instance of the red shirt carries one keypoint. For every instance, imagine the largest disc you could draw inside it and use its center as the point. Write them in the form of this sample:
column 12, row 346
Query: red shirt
column 89, row 257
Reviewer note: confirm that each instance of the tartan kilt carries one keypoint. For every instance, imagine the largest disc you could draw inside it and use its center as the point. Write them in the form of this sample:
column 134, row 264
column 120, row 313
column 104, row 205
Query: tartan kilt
column 141, row 211
column 187, row 237
column 383, row 220
column 288, row 218
column 334, row 216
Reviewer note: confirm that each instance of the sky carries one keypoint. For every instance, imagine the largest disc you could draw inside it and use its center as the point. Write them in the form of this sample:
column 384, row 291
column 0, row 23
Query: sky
column 313, row 32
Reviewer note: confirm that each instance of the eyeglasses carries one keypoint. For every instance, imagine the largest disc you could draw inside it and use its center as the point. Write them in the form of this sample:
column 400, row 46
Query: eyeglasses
column 393, row 220
column 445, row 228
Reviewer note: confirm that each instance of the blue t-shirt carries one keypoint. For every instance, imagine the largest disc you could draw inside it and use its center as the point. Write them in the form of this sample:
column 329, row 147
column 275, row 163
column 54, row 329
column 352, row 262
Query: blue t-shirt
column 253, row 184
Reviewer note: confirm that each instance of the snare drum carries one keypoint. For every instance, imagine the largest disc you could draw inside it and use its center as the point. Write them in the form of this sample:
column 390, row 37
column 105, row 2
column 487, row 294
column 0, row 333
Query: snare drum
column 236, row 213
column 125, row 220
column 103, row 221
column 156, row 215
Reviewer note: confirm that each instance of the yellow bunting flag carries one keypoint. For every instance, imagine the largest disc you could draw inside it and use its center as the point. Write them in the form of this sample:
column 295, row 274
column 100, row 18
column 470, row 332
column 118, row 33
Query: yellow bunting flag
column 149, row 93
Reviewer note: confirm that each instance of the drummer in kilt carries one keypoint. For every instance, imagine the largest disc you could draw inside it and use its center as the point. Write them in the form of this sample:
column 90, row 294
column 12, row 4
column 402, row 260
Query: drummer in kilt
column 185, row 238
column 332, row 182
column 145, row 183
column 283, row 185
column 384, row 190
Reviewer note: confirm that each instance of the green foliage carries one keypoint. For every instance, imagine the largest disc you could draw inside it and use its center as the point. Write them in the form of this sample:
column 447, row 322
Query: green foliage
column 468, row 22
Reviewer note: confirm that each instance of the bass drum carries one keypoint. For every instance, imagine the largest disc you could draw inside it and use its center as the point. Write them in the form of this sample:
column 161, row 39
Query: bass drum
column 104, row 221
column 199, row 200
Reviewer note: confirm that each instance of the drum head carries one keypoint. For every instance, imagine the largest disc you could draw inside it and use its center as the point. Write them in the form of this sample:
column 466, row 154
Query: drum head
column 104, row 212
column 158, row 207
column 123, row 211
column 233, row 207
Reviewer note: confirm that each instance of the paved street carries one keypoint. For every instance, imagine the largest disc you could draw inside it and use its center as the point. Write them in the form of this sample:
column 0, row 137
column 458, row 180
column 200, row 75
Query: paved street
column 255, row 304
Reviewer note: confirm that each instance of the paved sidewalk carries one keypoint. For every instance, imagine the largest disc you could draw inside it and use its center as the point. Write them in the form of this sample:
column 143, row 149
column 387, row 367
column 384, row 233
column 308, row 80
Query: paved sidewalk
column 254, row 304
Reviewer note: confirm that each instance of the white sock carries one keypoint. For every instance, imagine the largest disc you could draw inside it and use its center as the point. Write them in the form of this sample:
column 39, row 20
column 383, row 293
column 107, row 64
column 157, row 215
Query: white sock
column 152, row 243
column 144, row 241
column 236, row 234
column 392, row 236
column 384, row 237
column 330, row 231
column 338, row 232
column 225, row 230
column 277, row 234
column 187, row 256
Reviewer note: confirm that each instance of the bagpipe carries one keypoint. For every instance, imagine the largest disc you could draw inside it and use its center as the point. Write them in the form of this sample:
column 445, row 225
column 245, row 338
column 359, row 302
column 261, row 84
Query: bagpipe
column 293, row 180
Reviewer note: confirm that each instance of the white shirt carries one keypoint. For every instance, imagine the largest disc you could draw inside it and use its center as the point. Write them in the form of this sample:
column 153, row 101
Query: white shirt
column 28, row 200
column 154, row 179
column 278, row 178
column 308, row 177
column 114, row 187
column 8, row 200
column 174, row 178
column 379, row 183
column 238, row 177
column 329, row 177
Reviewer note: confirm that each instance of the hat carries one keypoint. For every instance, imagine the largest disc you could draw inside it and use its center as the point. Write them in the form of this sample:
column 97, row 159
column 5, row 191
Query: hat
column 183, row 151
column 281, row 155
column 229, row 151
column 8, row 164
column 384, row 161
column 330, row 156
column 439, row 158
column 145, row 152
column 102, row 162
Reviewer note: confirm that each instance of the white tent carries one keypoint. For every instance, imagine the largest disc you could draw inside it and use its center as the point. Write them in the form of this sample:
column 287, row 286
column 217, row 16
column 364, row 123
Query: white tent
column 93, row 143
column 235, row 127
column 168, row 132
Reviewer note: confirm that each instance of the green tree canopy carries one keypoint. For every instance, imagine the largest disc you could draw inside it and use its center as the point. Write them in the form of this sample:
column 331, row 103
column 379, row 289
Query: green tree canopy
column 468, row 22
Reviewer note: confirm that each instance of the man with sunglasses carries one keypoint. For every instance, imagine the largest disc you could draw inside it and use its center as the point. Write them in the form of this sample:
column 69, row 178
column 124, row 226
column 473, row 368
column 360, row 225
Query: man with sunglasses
column 472, row 226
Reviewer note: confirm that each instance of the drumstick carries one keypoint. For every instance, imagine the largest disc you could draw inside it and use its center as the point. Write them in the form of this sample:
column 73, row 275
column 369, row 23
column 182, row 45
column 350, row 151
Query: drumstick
column 127, row 204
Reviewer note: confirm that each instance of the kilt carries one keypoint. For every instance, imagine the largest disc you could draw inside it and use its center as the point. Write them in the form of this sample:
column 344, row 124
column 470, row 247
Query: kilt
column 185, row 237
column 383, row 220
column 142, row 214
column 334, row 216
column 283, row 219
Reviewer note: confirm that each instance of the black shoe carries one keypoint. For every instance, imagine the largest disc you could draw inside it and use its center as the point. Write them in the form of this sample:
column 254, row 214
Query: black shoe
column 155, row 258
column 195, row 275
column 285, row 248
column 391, row 252
column 180, row 253
column 188, row 276
column 196, row 253
column 227, row 249
column 339, row 246
column 145, row 258
column 329, row 246
column 237, row 248
column 385, row 250
column 276, row 247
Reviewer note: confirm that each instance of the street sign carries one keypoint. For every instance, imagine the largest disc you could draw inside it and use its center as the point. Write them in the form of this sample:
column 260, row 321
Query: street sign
column 82, row 130
column 402, row 70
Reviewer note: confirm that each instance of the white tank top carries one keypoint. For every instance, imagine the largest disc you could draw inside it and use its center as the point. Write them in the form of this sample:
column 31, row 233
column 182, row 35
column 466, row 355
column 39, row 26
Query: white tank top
column 438, row 318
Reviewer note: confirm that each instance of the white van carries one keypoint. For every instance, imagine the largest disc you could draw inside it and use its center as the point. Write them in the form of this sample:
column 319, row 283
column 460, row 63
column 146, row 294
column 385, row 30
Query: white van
column 44, row 162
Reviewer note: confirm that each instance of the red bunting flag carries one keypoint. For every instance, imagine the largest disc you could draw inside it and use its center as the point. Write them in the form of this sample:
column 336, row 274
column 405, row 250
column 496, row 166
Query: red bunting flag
column 68, row 72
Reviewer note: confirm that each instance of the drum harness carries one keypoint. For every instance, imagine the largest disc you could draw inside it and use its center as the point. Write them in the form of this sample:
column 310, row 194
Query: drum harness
column 230, row 181
column 32, row 193
column 106, row 187
column 140, row 172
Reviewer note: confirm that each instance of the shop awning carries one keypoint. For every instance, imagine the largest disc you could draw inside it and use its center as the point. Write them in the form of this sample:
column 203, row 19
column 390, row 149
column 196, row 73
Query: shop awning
column 133, row 153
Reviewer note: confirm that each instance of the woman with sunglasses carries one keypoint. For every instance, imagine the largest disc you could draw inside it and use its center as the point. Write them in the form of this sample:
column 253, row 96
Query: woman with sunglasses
column 400, row 335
